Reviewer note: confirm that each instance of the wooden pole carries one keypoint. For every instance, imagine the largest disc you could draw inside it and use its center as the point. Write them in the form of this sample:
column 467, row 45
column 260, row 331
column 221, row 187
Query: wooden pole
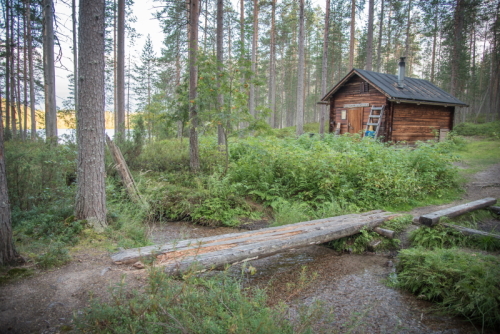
column 432, row 219
column 124, row 172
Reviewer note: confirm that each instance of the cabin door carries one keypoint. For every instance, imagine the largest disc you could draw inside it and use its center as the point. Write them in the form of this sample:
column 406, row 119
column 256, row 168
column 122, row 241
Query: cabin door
column 354, row 120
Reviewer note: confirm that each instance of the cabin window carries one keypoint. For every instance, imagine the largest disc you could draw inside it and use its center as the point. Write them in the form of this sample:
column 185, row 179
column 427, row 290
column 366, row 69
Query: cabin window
column 364, row 88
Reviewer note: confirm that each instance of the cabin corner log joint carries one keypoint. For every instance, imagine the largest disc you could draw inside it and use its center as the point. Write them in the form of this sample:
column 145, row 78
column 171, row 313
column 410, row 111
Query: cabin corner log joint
column 414, row 109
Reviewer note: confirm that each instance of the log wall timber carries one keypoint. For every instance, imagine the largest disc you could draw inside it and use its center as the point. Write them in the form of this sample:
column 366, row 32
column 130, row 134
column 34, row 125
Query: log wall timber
column 206, row 253
column 401, row 122
column 352, row 93
column 432, row 219
column 412, row 122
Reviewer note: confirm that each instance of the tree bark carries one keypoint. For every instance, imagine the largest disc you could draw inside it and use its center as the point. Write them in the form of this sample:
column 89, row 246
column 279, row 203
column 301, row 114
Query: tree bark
column 324, row 68
column 32, row 74
column 8, row 253
column 380, row 29
column 25, row 76
column 194, row 155
column 458, row 36
column 7, row 70
column 434, row 41
column 369, row 42
column 90, row 192
column 75, row 51
column 272, row 66
column 13, row 122
column 407, row 43
column 251, row 97
column 300, row 74
column 120, row 74
column 49, row 72
column 221, row 138
column 353, row 31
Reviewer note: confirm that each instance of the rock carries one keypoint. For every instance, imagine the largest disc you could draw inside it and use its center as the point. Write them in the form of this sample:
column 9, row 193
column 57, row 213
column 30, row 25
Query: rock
column 138, row 265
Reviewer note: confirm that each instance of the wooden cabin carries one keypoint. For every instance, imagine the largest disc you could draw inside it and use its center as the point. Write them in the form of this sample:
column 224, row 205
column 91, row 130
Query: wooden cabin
column 413, row 109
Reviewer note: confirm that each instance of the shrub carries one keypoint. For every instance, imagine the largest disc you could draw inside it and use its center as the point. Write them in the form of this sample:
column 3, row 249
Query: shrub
column 211, row 200
column 462, row 283
column 346, row 169
column 491, row 129
column 54, row 256
column 38, row 173
column 165, row 156
column 197, row 305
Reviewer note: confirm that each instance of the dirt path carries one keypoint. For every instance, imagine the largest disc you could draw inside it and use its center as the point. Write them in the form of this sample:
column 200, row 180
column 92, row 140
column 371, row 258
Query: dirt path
column 348, row 284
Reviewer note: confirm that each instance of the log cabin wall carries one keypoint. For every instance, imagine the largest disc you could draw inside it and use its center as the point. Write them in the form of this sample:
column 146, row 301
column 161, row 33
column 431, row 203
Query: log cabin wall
column 352, row 92
column 412, row 122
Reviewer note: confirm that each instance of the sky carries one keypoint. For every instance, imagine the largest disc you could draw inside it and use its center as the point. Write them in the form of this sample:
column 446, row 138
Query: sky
column 146, row 24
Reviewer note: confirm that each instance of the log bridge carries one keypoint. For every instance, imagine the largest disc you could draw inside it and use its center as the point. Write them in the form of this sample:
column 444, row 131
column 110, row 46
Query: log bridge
column 211, row 252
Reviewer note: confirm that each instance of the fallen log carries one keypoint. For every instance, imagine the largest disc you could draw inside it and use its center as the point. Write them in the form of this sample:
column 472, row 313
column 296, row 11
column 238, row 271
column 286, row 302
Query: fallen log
column 124, row 172
column 384, row 232
column 494, row 209
column 211, row 252
column 472, row 232
column 432, row 219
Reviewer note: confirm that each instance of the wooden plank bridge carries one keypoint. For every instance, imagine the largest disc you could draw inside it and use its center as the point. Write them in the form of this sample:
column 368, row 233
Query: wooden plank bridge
column 211, row 252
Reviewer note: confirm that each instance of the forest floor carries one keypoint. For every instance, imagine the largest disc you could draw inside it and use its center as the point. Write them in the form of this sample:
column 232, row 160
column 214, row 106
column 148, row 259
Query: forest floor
column 349, row 286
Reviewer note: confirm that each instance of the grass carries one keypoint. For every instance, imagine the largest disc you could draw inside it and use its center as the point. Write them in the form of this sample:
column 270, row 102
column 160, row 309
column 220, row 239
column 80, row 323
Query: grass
column 217, row 304
column 461, row 283
column 479, row 154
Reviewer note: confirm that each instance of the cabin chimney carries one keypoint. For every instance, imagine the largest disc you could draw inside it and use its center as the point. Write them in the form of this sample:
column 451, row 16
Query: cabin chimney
column 401, row 76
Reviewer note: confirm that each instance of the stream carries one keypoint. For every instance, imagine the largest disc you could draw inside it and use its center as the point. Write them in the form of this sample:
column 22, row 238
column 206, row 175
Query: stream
column 349, row 288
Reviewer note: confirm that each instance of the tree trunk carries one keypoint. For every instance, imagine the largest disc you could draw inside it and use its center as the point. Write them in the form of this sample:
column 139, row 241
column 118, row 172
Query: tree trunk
column 369, row 42
column 240, row 247
column 380, row 29
column 272, row 66
column 8, row 253
column 194, row 155
column 75, row 51
column 407, row 43
column 434, row 41
column 25, row 76
column 458, row 35
column 49, row 72
column 13, row 122
column 7, row 70
column 300, row 74
column 251, row 97
column 32, row 74
column 221, row 139
column 353, row 31
column 120, row 74
column 90, row 192
column 19, row 112
column 324, row 68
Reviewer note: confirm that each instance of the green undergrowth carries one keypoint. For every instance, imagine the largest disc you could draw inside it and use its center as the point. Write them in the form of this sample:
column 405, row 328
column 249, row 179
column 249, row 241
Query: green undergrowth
column 299, row 179
column 359, row 243
column 8, row 275
column 440, row 236
column 490, row 129
column 461, row 283
column 217, row 304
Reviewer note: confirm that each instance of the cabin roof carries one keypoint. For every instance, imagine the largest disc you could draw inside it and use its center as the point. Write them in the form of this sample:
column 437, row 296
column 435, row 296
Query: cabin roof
column 414, row 90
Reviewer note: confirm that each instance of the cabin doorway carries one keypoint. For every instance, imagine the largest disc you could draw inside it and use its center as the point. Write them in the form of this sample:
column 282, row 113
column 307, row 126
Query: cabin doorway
column 355, row 120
